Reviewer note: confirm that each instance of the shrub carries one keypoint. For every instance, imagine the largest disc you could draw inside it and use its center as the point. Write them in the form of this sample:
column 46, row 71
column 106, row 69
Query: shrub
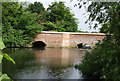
column 103, row 61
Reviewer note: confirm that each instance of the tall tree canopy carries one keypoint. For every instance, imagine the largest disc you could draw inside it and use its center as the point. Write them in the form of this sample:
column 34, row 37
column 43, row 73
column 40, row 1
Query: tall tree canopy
column 11, row 12
column 37, row 7
column 60, row 15
column 18, row 25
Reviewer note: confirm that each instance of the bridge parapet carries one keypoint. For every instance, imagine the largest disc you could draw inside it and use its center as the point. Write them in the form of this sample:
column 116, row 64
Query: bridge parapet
column 68, row 39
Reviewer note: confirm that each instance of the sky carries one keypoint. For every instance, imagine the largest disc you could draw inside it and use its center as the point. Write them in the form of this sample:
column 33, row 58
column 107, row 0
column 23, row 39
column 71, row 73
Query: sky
column 80, row 14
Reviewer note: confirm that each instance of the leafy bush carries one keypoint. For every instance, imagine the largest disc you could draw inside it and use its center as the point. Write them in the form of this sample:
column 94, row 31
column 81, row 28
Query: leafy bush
column 103, row 61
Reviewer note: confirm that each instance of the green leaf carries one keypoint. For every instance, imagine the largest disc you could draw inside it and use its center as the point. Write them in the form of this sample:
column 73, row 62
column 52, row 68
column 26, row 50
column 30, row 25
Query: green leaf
column 0, row 73
column 2, row 46
column 1, row 57
column 9, row 58
column 4, row 76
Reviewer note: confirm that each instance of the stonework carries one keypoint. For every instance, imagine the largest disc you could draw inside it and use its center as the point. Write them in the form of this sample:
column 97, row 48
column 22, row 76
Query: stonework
column 68, row 39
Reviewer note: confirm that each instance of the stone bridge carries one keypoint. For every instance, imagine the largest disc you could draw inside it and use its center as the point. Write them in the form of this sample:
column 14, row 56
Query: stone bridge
column 66, row 39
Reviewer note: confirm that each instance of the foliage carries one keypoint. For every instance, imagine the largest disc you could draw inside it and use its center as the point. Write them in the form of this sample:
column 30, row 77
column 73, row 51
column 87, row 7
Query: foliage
column 49, row 26
column 19, row 26
column 3, row 76
column 52, row 27
column 2, row 46
column 106, row 55
column 28, row 24
column 105, row 28
column 61, row 16
column 37, row 7
column 26, row 19
column 11, row 12
column 12, row 37
column 106, row 12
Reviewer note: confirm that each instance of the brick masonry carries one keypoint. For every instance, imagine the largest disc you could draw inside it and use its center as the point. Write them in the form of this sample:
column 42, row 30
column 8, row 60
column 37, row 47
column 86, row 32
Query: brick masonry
column 68, row 39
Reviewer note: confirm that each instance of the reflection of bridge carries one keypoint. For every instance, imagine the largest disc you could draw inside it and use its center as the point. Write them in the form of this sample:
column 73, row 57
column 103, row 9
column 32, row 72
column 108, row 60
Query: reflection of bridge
column 57, row 56
column 67, row 39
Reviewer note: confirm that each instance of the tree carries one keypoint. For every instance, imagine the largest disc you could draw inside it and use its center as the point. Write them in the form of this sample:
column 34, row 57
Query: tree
column 52, row 27
column 105, row 12
column 19, row 26
column 37, row 7
column 11, row 12
column 105, row 56
column 61, row 16
column 105, row 28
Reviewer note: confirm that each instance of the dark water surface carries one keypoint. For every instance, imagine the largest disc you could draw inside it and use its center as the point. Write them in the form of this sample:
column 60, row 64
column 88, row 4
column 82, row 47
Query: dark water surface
column 51, row 63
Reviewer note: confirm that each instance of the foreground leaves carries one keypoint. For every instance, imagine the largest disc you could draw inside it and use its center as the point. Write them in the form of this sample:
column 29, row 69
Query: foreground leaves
column 1, row 57
column 3, row 76
column 104, row 60
column 9, row 58
column 2, row 46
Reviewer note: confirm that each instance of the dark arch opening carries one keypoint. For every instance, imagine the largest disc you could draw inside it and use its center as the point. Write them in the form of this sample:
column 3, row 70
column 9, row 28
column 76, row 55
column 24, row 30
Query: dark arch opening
column 38, row 44
column 80, row 45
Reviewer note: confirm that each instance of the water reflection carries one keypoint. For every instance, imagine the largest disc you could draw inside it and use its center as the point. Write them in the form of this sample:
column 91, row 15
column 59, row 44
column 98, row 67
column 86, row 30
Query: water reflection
column 51, row 63
column 57, row 56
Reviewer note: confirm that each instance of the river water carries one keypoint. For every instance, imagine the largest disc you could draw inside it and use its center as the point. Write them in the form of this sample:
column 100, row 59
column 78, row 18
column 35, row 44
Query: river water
column 48, row 63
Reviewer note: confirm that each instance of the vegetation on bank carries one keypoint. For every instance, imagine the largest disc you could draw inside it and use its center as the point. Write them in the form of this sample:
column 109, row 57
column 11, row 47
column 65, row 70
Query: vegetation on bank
column 20, row 23
column 18, row 26
column 104, row 61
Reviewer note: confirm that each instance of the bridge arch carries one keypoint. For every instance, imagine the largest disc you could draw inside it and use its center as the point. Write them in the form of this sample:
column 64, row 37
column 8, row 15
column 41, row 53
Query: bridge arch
column 38, row 44
column 80, row 45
